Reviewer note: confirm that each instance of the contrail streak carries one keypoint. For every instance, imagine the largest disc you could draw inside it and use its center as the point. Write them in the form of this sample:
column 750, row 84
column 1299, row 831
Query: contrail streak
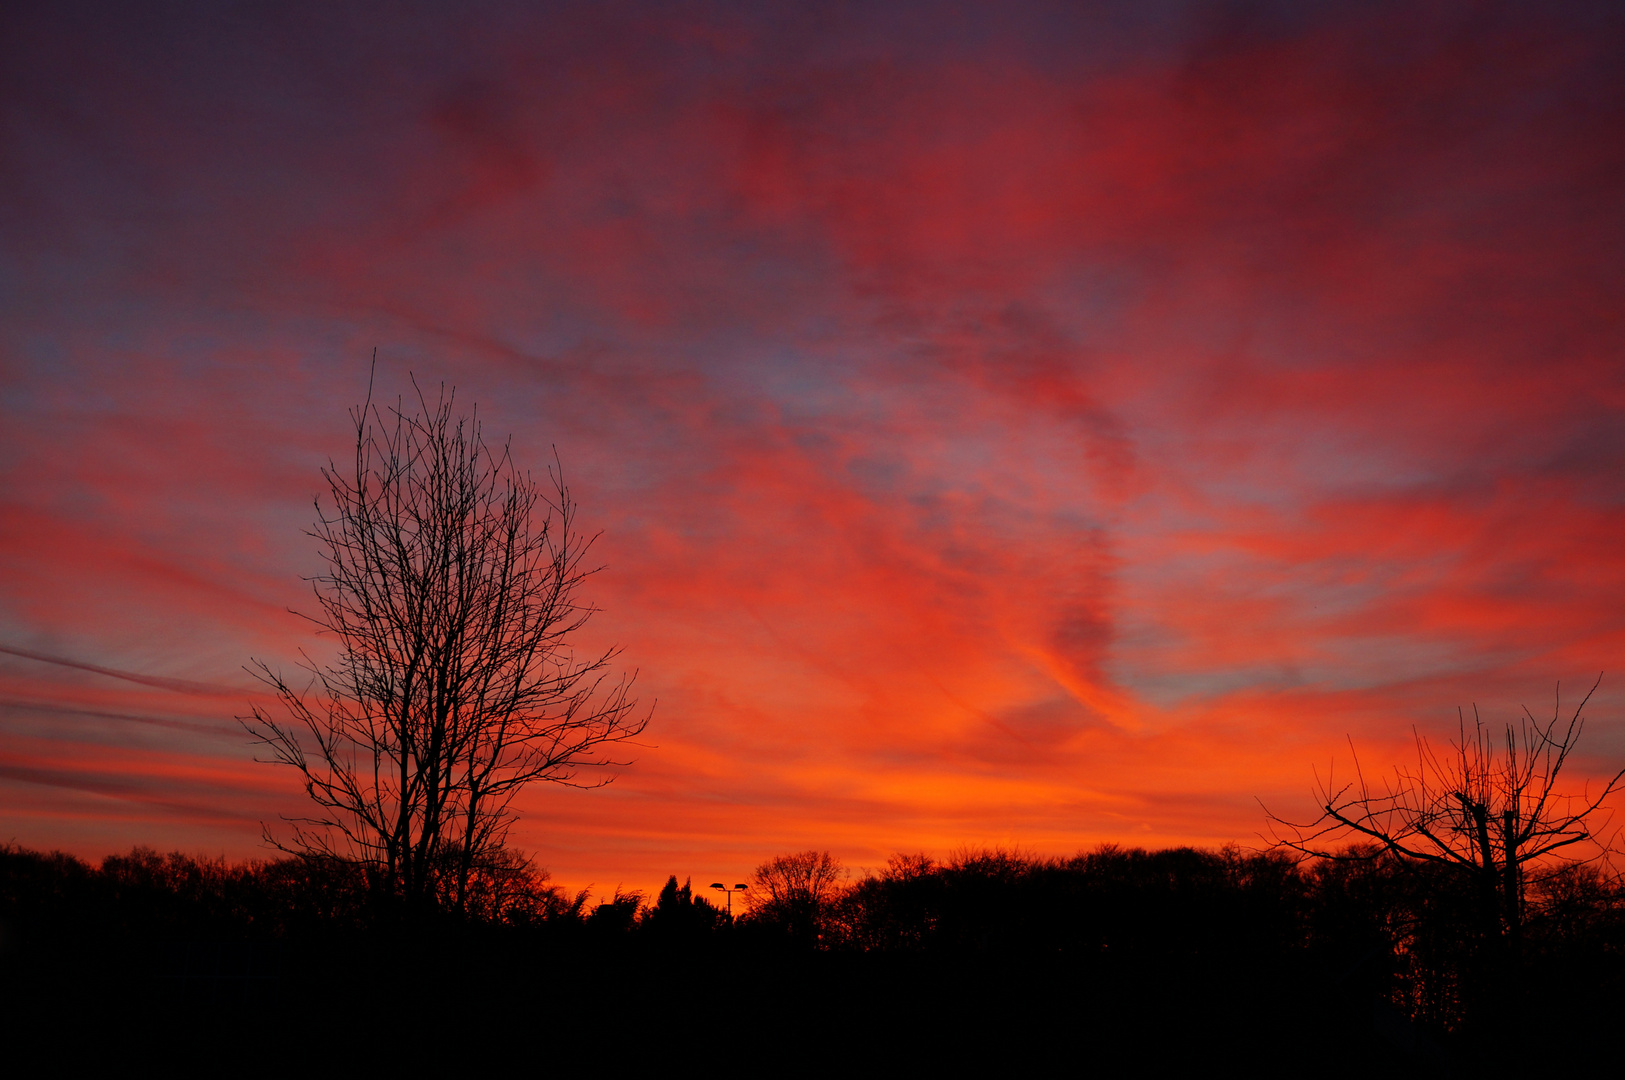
column 179, row 686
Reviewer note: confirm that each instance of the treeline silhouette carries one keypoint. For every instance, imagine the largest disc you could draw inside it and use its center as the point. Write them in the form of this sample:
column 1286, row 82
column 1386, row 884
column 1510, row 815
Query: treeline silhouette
column 1118, row 956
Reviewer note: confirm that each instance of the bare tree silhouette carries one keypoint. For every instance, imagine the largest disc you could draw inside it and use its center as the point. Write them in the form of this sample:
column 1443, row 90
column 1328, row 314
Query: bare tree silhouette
column 796, row 892
column 1490, row 809
column 452, row 587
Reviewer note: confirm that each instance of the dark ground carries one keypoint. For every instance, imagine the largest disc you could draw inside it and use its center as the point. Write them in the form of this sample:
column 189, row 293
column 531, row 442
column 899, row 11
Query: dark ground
column 1136, row 963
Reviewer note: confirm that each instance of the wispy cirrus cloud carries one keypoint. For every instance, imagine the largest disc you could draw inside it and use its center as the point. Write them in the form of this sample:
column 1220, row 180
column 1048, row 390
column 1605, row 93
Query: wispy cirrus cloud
column 1037, row 426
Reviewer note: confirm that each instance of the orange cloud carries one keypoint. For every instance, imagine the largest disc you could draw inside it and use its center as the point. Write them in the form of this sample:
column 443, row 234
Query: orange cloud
column 1030, row 427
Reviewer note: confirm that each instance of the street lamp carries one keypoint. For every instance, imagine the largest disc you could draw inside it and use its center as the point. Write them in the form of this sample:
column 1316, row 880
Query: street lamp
column 737, row 888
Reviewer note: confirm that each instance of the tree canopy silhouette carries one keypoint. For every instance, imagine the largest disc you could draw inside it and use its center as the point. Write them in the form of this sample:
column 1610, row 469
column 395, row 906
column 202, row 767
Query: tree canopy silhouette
column 796, row 892
column 1489, row 809
column 452, row 587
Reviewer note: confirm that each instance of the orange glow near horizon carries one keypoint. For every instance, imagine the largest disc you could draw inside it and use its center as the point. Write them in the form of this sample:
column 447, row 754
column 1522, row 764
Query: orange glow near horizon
column 1033, row 429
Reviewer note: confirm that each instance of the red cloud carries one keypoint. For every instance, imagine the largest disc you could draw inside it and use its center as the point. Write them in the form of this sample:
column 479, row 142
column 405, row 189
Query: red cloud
column 1035, row 432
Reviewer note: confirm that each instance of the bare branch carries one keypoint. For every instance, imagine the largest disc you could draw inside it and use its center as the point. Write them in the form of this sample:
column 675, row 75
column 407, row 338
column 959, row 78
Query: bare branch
column 1491, row 809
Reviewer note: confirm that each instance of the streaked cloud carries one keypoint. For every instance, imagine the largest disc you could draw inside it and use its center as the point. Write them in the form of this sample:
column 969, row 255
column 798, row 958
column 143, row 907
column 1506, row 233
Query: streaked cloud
column 1041, row 426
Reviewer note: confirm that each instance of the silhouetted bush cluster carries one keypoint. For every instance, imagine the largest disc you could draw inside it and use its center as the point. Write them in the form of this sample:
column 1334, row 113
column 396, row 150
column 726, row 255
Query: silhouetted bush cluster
column 1172, row 954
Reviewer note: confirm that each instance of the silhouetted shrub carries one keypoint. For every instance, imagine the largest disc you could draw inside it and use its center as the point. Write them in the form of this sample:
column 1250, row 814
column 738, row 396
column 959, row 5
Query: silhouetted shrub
column 678, row 916
column 1372, row 953
column 617, row 915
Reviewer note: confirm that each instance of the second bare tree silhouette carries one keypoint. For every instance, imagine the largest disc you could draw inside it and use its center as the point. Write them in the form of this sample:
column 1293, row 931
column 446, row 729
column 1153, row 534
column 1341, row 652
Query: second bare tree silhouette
column 1490, row 809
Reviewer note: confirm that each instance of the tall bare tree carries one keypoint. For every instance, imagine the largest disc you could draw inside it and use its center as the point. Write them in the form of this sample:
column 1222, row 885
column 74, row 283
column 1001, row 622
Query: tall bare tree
column 453, row 589
column 1492, row 808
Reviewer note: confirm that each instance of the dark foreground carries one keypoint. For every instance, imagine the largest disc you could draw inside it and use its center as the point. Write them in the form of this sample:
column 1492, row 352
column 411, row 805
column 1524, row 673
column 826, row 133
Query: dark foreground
column 1114, row 962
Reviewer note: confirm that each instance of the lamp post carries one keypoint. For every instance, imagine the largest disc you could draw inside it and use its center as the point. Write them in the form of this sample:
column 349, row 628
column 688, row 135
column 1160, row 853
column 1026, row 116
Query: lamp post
column 723, row 888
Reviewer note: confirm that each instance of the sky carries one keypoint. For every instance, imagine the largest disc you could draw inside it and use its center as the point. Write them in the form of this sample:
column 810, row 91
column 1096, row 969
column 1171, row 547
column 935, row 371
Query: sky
column 1027, row 425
